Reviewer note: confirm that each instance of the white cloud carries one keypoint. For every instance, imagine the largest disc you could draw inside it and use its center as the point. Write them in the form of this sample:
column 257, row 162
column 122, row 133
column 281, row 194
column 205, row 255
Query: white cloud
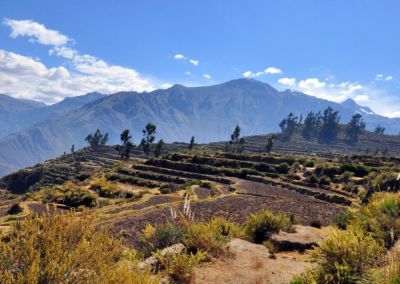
column 194, row 62
column 188, row 73
column 248, row 74
column 273, row 70
column 388, row 78
column 362, row 98
column 392, row 114
column 36, row 32
column 333, row 92
column 207, row 76
column 269, row 70
column 311, row 84
column 166, row 86
column 179, row 57
column 26, row 77
column 287, row 82
column 378, row 77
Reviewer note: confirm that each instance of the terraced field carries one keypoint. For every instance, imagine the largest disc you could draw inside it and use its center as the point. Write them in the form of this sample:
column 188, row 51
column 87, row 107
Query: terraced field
column 130, row 194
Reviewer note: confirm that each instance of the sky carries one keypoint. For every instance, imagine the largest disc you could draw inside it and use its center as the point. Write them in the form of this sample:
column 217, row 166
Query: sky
column 334, row 50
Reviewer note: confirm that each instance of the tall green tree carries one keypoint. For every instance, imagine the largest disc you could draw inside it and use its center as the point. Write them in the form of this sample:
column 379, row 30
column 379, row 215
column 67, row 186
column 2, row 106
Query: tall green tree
column 127, row 146
column 380, row 130
column 97, row 139
column 191, row 143
column 148, row 138
column 310, row 125
column 159, row 146
column 354, row 127
column 288, row 125
column 330, row 126
column 270, row 143
column 236, row 144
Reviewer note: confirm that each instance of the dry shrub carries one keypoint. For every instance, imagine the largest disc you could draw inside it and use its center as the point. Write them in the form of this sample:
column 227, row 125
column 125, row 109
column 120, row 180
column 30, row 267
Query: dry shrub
column 63, row 249
column 210, row 237
column 179, row 266
column 344, row 257
column 259, row 227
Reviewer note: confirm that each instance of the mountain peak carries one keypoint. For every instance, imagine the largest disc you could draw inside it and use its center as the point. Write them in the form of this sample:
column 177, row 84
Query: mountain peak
column 349, row 103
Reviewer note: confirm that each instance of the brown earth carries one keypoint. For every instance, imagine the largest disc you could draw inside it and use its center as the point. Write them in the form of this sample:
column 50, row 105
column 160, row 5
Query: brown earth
column 250, row 263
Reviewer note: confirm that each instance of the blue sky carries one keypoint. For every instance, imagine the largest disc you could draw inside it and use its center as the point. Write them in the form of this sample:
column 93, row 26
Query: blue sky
column 330, row 49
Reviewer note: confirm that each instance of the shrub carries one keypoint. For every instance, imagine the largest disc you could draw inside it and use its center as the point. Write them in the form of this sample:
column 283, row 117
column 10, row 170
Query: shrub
column 15, row 209
column 380, row 218
column 313, row 179
column 205, row 237
column 345, row 256
column 357, row 169
column 324, row 180
column 316, row 223
column 69, row 194
column 346, row 176
column 343, row 219
column 283, row 168
column 259, row 227
column 159, row 237
column 309, row 163
column 63, row 249
column 179, row 266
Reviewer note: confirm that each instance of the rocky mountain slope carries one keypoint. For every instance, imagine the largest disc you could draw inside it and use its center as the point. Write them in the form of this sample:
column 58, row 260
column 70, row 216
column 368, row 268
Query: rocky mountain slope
column 208, row 113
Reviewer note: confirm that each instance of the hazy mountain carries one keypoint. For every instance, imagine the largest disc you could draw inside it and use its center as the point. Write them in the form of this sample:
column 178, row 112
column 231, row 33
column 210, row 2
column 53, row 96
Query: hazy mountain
column 209, row 113
column 18, row 114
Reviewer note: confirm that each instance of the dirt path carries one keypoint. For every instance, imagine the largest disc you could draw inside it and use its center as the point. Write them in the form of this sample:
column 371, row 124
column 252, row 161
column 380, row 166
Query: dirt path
column 250, row 264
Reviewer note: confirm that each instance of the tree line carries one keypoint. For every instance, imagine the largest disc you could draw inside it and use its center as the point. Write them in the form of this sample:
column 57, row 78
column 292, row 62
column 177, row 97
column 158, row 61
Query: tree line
column 324, row 126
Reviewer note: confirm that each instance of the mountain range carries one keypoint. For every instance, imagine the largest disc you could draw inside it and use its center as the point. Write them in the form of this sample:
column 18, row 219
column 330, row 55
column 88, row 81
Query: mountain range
column 32, row 132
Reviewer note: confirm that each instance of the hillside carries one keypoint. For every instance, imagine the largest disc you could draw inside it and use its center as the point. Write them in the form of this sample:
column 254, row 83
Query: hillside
column 209, row 113
column 136, row 200
column 18, row 114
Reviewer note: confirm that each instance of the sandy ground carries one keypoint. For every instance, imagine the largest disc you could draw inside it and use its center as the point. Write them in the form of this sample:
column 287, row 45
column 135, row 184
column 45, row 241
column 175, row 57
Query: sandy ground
column 250, row 263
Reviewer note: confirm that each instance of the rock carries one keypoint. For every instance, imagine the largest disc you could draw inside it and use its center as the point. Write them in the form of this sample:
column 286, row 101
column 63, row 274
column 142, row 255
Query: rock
column 152, row 261
column 305, row 237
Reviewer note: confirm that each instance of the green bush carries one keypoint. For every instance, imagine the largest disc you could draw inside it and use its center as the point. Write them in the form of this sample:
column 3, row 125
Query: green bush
column 324, row 180
column 343, row 219
column 345, row 257
column 309, row 164
column 357, row 169
column 259, row 227
column 159, row 237
column 15, row 209
column 282, row 168
column 67, row 248
column 313, row 179
column 179, row 266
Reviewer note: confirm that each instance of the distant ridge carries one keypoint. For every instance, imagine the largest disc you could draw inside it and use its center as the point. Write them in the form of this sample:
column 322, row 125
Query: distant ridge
column 209, row 113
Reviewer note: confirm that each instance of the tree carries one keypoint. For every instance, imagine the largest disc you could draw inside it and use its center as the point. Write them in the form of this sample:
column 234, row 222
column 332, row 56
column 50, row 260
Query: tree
column 270, row 143
column 127, row 146
column 380, row 130
column 73, row 148
column 236, row 143
column 148, row 138
column 288, row 125
column 97, row 139
column 159, row 147
column 330, row 125
column 354, row 127
column 191, row 143
column 125, row 137
column 310, row 125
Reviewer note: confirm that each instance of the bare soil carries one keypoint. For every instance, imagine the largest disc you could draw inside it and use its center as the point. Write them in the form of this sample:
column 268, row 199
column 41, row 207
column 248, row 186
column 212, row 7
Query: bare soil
column 250, row 264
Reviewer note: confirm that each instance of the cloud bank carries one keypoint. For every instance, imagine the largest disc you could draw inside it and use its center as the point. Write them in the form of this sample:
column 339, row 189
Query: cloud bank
column 25, row 77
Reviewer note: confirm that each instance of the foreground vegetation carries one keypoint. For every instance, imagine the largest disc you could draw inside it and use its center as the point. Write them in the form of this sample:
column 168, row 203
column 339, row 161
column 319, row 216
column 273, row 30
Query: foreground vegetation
column 359, row 252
